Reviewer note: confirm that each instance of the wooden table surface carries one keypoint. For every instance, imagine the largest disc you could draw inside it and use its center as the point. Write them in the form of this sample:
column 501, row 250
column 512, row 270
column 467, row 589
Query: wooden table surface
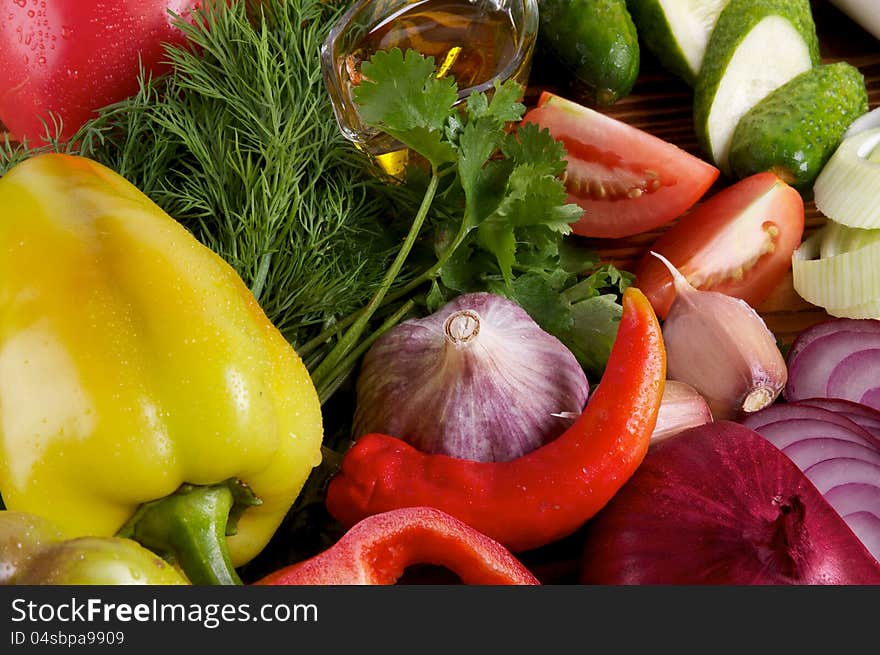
column 662, row 105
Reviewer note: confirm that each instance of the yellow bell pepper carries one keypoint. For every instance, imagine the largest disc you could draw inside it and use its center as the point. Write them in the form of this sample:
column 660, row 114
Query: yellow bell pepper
column 135, row 362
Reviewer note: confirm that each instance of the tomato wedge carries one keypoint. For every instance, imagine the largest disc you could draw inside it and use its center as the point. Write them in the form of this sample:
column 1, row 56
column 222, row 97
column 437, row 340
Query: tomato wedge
column 627, row 181
column 739, row 242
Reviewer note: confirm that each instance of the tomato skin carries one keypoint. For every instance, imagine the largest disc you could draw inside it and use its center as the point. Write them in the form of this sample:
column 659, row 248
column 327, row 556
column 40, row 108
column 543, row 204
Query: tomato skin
column 627, row 180
column 738, row 242
column 72, row 57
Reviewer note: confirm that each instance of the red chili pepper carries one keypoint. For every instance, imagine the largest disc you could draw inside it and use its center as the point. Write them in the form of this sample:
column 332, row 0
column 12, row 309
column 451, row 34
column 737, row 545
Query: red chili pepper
column 71, row 57
column 377, row 550
column 545, row 494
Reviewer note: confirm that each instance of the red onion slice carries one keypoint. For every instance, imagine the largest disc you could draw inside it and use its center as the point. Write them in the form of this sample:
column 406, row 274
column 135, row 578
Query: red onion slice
column 809, row 372
column 856, row 378
column 864, row 416
column 852, row 487
column 807, row 452
column 827, row 327
column 841, row 471
column 854, row 499
column 792, row 411
column 784, row 433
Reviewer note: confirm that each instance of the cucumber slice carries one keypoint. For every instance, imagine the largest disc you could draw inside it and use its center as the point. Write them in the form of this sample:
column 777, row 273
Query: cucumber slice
column 677, row 31
column 756, row 47
column 847, row 279
column 848, row 188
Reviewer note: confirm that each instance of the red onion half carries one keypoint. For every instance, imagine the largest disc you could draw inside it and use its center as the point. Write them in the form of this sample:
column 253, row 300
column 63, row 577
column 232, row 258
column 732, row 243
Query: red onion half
column 838, row 358
column 840, row 458
column 719, row 504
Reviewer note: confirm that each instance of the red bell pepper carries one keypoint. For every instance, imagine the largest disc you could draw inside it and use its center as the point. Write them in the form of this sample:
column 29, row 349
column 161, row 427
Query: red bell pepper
column 545, row 494
column 377, row 550
column 71, row 57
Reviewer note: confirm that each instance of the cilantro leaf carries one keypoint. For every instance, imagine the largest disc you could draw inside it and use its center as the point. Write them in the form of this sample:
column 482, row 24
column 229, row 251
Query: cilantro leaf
column 478, row 141
column 604, row 279
column 402, row 96
column 539, row 295
column 531, row 199
column 595, row 311
column 532, row 144
column 504, row 106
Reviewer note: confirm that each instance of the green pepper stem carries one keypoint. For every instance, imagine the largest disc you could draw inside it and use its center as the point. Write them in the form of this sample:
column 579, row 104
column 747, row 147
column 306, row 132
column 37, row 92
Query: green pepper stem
column 189, row 526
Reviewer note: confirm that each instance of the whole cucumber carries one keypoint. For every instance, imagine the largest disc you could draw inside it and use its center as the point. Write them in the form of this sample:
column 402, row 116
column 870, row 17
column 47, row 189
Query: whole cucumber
column 595, row 41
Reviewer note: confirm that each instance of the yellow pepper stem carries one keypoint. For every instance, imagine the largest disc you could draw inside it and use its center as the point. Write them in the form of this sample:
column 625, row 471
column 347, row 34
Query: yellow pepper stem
column 190, row 527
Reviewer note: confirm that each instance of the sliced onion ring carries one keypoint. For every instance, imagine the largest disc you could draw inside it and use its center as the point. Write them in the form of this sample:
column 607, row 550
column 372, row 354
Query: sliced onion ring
column 837, row 358
column 810, row 371
column 823, row 328
column 817, row 417
column 845, row 188
column 862, row 415
column 784, row 433
column 856, row 378
column 807, row 452
column 867, row 121
column 863, row 310
column 842, row 471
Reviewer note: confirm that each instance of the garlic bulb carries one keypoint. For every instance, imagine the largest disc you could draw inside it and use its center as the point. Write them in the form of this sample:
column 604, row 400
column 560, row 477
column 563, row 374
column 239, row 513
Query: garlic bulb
column 478, row 380
column 721, row 347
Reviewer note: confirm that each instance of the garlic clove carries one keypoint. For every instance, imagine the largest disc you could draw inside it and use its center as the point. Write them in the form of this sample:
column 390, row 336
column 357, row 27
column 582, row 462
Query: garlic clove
column 478, row 380
column 722, row 347
column 681, row 407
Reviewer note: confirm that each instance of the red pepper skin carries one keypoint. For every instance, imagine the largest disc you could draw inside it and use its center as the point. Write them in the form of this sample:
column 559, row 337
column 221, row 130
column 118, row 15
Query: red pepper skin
column 74, row 56
column 377, row 550
column 544, row 495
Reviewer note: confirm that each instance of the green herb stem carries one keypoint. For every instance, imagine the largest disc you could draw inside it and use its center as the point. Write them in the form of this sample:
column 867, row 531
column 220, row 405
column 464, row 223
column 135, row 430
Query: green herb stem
column 436, row 269
column 346, row 366
column 322, row 375
column 312, row 344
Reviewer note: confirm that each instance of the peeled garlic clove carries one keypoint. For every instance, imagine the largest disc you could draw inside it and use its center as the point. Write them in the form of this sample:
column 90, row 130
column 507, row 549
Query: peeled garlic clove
column 721, row 346
column 478, row 380
column 681, row 407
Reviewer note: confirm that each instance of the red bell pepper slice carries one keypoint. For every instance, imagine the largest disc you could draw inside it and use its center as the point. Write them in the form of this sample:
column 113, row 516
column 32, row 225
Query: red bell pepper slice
column 544, row 495
column 377, row 550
